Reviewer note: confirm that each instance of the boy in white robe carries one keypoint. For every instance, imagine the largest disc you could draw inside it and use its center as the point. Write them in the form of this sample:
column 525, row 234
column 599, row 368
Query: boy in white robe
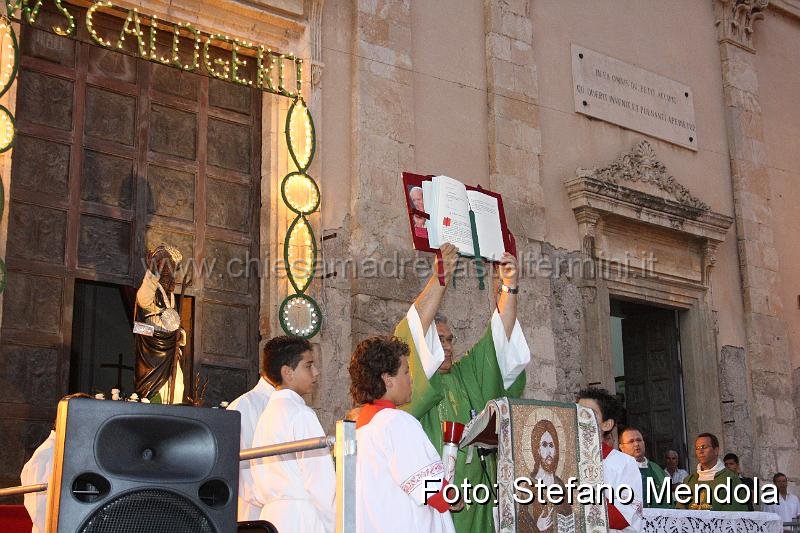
column 297, row 489
column 398, row 471
column 38, row 469
column 251, row 404
column 618, row 468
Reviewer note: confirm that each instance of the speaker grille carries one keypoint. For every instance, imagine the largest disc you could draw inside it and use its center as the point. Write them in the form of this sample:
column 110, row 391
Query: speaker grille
column 149, row 511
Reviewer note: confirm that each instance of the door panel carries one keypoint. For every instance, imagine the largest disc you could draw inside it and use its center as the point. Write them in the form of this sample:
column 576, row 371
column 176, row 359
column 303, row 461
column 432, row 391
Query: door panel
column 652, row 381
column 114, row 155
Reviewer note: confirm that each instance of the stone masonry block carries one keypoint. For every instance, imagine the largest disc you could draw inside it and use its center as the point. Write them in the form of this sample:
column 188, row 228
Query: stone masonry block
column 740, row 72
column 500, row 75
column 522, row 53
column 498, row 47
column 517, row 27
column 513, row 109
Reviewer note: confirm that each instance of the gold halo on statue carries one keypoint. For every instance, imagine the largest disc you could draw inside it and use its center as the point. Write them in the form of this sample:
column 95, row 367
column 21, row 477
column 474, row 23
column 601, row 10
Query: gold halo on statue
column 174, row 253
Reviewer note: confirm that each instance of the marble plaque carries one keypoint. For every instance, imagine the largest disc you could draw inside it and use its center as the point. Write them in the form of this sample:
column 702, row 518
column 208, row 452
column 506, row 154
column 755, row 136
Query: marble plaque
column 632, row 97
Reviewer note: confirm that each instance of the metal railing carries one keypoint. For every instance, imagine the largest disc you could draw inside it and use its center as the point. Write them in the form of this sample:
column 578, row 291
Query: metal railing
column 344, row 452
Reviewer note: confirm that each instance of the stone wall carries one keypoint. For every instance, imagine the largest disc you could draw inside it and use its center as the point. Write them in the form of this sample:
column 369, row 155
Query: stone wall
column 738, row 437
column 569, row 323
column 767, row 343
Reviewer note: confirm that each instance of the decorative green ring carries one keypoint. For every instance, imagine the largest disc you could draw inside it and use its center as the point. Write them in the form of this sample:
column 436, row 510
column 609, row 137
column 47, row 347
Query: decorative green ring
column 316, row 316
column 13, row 126
column 4, row 275
column 15, row 45
column 286, row 199
column 289, row 137
column 292, row 226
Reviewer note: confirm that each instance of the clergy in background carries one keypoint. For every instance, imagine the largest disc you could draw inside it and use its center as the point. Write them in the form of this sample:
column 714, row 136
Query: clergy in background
column 456, row 389
column 711, row 472
column 631, row 442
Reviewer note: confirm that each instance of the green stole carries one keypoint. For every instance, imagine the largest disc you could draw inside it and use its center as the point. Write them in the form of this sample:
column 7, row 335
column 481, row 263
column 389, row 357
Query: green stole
column 720, row 477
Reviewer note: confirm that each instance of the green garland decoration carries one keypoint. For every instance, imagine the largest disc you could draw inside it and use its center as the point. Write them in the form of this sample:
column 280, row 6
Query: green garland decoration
column 299, row 302
column 5, row 145
column 6, row 23
column 15, row 46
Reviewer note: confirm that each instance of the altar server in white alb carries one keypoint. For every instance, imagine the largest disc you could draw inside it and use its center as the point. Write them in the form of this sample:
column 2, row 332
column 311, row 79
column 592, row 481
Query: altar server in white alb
column 39, row 469
column 297, row 489
column 398, row 471
column 618, row 468
column 251, row 404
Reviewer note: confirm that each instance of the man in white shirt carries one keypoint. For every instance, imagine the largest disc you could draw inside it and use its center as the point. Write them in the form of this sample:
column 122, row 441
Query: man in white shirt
column 251, row 404
column 675, row 473
column 788, row 506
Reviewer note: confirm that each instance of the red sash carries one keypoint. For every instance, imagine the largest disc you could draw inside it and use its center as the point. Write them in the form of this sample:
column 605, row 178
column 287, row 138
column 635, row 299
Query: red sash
column 371, row 409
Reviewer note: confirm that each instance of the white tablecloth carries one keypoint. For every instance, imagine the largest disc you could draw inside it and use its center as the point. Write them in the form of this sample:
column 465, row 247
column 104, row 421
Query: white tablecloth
column 683, row 521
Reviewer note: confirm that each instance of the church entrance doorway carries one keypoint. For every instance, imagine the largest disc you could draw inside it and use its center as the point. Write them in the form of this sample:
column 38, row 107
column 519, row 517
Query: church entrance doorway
column 648, row 375
column 113, row 156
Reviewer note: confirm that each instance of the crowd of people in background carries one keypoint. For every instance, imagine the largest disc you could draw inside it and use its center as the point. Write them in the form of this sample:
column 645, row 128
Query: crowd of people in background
column 711, row 471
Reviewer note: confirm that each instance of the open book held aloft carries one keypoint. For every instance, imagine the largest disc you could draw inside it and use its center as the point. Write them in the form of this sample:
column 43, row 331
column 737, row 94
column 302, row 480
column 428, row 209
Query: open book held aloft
column 442, row 209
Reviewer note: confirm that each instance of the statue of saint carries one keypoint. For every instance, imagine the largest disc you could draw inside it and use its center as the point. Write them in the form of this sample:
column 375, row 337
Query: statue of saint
column 159, row 376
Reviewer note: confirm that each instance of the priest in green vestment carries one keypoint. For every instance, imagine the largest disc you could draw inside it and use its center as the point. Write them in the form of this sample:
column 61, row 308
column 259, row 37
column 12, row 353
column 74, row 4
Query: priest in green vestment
column 448, row 388
column 711, row 472
column 631, row 442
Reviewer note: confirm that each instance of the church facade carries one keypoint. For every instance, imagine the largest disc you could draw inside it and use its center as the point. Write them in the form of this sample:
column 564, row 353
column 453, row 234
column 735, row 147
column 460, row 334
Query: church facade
column 647, row 154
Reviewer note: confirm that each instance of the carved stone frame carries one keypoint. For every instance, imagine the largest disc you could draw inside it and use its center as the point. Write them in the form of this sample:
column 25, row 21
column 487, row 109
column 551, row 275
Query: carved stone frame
column 614, row 195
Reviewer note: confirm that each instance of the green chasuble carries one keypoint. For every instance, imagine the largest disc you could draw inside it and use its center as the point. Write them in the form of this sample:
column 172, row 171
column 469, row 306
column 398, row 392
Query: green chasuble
column 657, row 474
column 721, row 476
column 473, row 380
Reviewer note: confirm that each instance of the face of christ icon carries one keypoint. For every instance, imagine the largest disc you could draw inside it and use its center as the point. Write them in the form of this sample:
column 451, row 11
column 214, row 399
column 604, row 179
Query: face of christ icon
column 548, row 453
column 545, row 448
column 544, row 444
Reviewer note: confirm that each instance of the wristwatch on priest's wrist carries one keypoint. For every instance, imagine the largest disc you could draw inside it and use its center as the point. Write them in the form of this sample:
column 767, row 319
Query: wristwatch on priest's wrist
column 509, row 290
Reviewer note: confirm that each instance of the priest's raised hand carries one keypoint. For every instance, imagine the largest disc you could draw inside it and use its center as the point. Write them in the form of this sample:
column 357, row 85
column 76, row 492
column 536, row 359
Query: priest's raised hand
column 446, row 386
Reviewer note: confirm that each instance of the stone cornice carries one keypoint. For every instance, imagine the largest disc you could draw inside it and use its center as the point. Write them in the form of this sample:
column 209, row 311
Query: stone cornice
column 606, row 193
column 592, row 198
column 789, row 7
column 735, row 20
column 642, row 165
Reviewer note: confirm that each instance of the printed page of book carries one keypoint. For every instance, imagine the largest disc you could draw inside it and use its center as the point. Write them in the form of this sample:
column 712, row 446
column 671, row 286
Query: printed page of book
column 487, row 221
column 452, row 215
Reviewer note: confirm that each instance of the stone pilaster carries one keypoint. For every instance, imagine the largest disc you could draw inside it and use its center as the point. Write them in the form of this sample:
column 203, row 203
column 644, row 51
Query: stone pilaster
column 514, row 168
column 382, row 147
column 773, row 415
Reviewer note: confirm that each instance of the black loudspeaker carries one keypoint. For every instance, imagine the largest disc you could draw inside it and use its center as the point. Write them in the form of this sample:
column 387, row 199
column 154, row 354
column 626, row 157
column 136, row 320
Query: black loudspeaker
column 127, row 467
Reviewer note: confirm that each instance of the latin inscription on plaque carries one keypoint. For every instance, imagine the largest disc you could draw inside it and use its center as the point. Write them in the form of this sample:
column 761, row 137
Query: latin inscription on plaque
column 631, row 97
